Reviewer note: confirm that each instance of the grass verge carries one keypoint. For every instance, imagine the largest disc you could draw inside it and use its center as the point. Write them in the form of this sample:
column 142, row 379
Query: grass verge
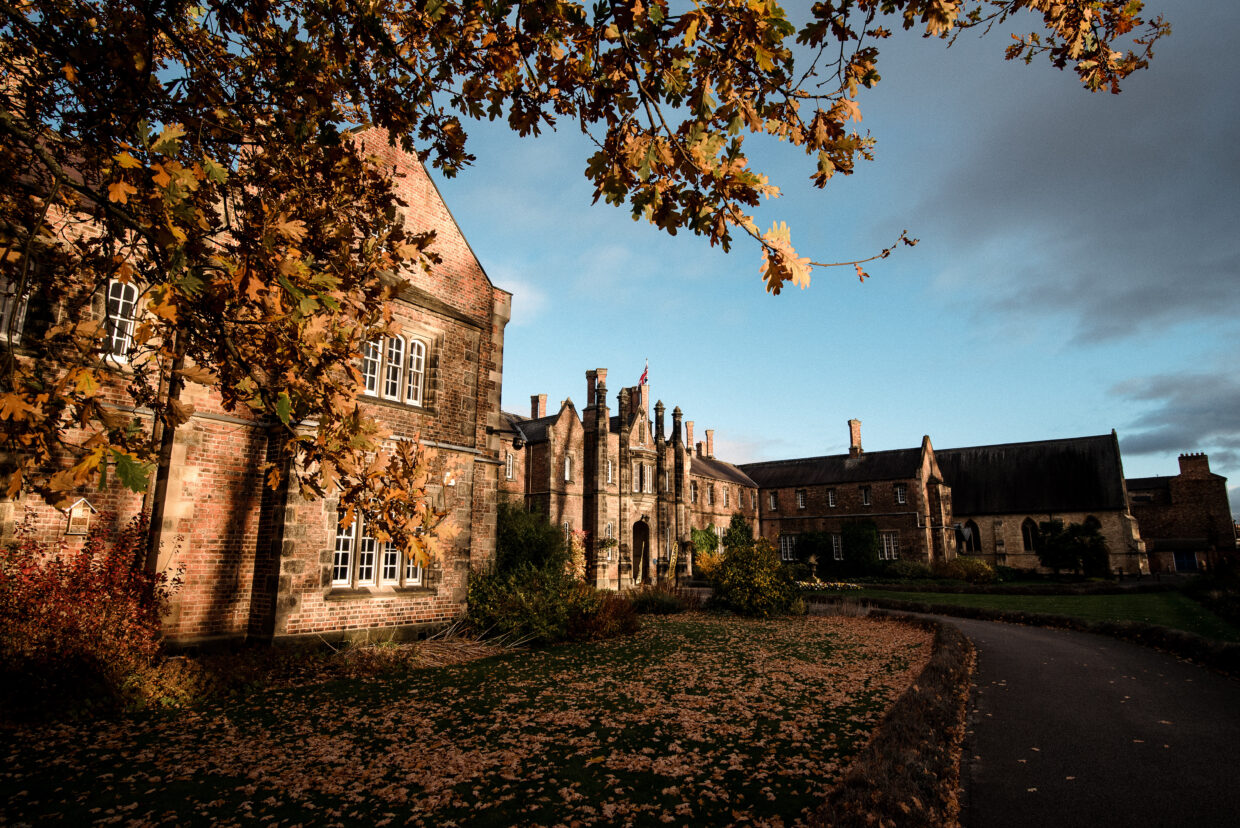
column 909, row 773
column 1164, row 609
column 1223, row 656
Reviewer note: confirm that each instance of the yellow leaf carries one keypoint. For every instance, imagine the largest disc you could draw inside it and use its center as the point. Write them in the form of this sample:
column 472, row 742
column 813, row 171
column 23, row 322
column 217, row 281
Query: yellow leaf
column 294, row 230
column 127, row 161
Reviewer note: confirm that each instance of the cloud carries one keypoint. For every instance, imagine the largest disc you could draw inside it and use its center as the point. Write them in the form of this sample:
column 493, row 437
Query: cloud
column 528, row 300
column 1113, row 217
column 1188, row 412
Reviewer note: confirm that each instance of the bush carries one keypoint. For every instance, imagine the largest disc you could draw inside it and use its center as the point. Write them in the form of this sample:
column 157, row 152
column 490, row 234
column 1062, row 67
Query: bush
column 81, row 623
column 752, row 581
column 908, row 570
column 962, row 568
column 526, row 539
column 545, row 606
column 662, row 599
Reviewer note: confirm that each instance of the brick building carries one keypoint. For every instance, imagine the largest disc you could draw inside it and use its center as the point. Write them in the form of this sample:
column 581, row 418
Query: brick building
column 901, row 491
column 1186, row 518
column 269, row 564
column 636, row 489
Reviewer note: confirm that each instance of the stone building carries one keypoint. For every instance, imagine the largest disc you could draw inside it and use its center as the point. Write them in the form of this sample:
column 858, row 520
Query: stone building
column 1001, row 493
column 1186, row 518
column 633, row 487
column 264, row 564
column 901, row 491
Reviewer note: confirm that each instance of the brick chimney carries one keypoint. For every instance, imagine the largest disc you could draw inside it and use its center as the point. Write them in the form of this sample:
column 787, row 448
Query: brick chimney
column 689, row 434
column 699, row 448
column 538, row 406
column 854, row 438
column 591, row 380
column 1195, row 465
column 710, row 443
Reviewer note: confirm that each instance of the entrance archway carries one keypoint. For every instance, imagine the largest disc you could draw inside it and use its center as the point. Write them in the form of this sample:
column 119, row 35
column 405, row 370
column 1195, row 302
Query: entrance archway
column 641, row 552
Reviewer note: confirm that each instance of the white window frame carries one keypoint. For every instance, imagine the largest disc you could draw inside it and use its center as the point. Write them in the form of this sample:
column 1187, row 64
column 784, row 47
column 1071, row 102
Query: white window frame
column 753, row 499
column 509, row 462
column 725, row 497
column 415, row 385
column 648, row 478
column 609, row 532
column 372, row 362
column 787, row 547
column 865, row 495
column 800, row 498
column 121, row 325
column 837, row 546
column 568, row 469
column 568, row 529
column 693, row 491
column 772, row 501
column 710, row 494
column 393, row 380
column 12, row 312
column 608, row 471
column 831, row 498
column 901, row 493
column 359, row 561
column 889, row 549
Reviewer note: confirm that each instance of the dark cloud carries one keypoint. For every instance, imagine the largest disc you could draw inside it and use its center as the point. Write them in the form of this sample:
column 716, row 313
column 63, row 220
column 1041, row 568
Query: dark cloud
column 1187, row 412
column 1126, row 203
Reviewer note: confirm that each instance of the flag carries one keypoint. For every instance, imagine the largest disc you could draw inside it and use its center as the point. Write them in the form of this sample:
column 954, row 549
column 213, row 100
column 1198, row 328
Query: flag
column 645, row 374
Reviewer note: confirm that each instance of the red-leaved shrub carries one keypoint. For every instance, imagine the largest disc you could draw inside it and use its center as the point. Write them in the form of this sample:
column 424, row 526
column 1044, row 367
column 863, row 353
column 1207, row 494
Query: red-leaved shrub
column 88, row 617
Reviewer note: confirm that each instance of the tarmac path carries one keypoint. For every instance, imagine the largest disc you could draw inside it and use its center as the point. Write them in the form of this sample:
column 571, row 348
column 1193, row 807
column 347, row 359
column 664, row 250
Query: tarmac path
column 1074, row 729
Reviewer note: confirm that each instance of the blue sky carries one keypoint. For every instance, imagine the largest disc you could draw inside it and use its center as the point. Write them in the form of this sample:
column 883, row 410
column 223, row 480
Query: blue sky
column 1078, row 271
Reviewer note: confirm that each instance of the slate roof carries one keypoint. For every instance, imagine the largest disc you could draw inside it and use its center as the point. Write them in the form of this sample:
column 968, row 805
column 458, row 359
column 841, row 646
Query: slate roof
column 898, row 464
column 1147, row 483
column 532, row 431
column 1078, row 474
column 719, row 470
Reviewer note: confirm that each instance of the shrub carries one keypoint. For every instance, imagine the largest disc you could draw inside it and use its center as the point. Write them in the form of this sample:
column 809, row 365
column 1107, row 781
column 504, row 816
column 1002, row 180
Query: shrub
column 601, row 614
column 908, row 570
column 77, row 622
column 527, row 539
column 752, row 581
column 662, row 599
column 963, row 568
column 544, row 606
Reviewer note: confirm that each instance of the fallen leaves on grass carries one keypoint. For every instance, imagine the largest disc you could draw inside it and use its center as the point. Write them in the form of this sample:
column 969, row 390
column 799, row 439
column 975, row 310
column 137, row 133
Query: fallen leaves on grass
column 694, row 719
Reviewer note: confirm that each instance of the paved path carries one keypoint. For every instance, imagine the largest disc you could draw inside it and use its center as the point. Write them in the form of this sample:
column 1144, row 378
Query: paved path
column 1069, row 729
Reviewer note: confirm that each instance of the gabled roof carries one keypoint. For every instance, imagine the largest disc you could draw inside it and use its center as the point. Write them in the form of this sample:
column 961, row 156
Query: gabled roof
column 1078, row 474
column 718, row 470
column 532, row 431
column 898, row 464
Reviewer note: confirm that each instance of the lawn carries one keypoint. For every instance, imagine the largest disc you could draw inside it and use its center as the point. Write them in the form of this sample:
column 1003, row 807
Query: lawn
column 1167, row 609
column 695, row 719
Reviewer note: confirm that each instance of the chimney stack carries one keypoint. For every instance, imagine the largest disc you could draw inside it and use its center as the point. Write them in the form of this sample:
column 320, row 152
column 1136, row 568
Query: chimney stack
column 854, row 438
column 1196, row 464
column 710, row 443
column 699, row 448
column 538, row 406
column 591, row 380
column 689, row 434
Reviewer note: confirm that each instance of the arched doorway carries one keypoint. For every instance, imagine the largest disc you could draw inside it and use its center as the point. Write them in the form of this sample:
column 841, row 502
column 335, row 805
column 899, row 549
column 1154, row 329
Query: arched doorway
column 641, row 552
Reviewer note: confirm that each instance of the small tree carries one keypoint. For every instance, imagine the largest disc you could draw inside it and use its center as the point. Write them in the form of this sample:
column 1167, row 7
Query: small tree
column 860, row 542
column 526, row 539
column 1078, row 547
column 751, row 580
column 739, row 532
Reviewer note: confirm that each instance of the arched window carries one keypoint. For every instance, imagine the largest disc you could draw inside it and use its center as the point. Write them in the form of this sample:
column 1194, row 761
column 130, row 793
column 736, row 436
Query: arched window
column 122, row 311
column 568, row 469
column 395, row 368
column 972, row 538
column 417, row 371
column 1029, row 535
